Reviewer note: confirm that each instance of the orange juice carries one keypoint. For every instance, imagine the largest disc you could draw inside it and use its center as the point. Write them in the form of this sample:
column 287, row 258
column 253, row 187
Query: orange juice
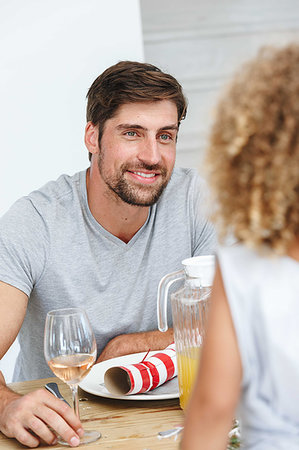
column 187, row 369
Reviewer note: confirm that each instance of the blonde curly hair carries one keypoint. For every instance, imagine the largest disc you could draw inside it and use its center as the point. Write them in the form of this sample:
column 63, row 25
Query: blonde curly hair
column 252, row 159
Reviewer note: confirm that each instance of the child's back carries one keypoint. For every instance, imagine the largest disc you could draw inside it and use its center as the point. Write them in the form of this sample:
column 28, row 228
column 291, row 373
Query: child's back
column 263, row 296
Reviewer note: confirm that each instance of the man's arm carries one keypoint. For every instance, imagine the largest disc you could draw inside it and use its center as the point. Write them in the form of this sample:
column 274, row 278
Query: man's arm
column 13, row 305
column 37, row 411
column 126, row 344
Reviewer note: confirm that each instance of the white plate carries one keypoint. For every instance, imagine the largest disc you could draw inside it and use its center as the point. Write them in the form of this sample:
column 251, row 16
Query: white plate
column 93, row 383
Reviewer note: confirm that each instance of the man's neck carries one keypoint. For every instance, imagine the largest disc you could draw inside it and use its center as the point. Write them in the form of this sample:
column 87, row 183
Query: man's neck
column 119, row 218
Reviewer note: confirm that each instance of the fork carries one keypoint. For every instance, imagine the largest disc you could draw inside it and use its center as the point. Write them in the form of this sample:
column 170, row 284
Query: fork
column 53, row 388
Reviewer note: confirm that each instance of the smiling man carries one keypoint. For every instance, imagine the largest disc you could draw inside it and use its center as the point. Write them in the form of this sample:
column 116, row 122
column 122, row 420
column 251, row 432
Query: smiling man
column 101, row 239
column 132, row 164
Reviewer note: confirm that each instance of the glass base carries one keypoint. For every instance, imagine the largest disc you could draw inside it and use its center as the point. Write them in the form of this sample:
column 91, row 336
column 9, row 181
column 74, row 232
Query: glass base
column 89, row 436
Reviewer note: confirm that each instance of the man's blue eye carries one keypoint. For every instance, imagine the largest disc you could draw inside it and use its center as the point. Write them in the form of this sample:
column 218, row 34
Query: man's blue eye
column 131, row 133
column 165, row 137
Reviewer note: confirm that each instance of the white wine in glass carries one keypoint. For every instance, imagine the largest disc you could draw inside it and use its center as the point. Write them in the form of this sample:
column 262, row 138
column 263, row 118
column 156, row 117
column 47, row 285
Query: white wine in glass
column 70, row 351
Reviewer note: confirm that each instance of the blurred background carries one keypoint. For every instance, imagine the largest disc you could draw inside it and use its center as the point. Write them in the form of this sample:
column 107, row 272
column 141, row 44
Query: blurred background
column 51, row 52
column 202, row 43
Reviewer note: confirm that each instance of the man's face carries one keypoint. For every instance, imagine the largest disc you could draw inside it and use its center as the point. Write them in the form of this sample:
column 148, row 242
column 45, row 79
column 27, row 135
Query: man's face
column 137, row 151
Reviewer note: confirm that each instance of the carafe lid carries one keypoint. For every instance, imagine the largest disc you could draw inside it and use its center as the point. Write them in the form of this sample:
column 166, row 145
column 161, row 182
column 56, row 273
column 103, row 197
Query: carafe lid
column 202, row 267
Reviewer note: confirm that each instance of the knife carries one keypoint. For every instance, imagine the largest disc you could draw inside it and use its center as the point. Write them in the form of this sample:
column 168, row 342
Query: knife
column 53, row 388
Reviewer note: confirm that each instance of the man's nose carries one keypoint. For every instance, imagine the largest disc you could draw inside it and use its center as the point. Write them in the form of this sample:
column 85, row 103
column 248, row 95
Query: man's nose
column 149, row 152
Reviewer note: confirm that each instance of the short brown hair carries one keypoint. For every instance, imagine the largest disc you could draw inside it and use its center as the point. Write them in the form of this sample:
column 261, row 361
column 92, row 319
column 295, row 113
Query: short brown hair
column 129, row 82
column 253, row 155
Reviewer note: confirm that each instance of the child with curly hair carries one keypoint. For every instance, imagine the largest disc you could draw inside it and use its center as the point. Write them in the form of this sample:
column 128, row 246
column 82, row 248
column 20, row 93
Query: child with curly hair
column 250, row 358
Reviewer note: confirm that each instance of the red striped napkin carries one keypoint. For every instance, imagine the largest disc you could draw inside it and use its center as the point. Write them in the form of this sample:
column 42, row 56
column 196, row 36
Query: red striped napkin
column 144, row 376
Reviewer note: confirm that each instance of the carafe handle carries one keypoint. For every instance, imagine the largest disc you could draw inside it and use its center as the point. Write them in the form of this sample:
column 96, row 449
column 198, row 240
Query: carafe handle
column 162, row 296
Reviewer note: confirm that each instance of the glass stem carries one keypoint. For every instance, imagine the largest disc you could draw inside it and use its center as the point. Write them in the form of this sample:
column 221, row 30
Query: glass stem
column 74, row 389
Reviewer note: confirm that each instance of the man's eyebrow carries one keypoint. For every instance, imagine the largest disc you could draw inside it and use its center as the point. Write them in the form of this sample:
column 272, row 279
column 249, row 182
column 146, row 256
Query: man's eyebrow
column 170, row 127
column 124, row 126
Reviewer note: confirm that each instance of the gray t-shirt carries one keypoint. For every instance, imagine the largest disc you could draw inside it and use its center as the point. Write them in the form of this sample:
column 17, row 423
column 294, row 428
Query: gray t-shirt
column 53, row 249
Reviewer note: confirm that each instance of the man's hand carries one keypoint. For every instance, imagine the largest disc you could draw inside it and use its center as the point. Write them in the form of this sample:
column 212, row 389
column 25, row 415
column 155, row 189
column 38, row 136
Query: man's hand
column 29, row 418
column 125, row 344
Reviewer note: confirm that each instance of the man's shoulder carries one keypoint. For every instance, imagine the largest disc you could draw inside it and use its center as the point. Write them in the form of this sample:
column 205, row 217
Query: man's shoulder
column 182, row 191
column 184, row 173
column 55, row 192
column 184, row 180
column 47, row 200
column 182, row 176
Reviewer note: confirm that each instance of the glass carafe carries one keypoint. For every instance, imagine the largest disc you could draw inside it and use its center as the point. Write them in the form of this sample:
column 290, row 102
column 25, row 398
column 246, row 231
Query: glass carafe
column 189, row 307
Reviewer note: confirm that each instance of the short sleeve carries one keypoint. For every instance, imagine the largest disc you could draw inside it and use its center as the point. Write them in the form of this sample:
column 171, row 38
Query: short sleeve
column 24, row 245
column 204, row 235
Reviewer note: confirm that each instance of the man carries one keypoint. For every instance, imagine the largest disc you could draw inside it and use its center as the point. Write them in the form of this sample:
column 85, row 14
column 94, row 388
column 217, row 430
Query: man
column 101, row 239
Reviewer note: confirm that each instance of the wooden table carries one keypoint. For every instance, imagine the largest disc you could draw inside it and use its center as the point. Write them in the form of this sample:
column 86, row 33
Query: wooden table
column 124, row 424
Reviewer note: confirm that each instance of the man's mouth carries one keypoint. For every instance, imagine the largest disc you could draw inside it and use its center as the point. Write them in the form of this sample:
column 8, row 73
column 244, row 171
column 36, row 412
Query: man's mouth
column 145, row 175
column 146, row 178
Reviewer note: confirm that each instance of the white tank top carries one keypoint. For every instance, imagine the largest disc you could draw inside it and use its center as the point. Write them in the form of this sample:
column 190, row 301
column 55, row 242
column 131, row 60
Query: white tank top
column 263, row 295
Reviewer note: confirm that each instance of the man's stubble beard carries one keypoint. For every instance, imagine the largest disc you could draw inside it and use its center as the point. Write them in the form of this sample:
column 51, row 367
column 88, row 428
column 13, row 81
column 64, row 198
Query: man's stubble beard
column 134, row 195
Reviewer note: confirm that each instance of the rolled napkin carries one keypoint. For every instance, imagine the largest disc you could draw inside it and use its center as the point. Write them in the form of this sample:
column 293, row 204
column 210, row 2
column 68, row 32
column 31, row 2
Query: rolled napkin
column 144, row 376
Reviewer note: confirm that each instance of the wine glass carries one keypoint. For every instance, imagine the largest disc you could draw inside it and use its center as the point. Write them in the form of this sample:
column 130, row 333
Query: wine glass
column 70, row 351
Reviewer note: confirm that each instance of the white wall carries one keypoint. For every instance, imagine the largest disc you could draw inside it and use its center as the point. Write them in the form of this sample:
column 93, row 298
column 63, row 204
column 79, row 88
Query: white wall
column 51, row 51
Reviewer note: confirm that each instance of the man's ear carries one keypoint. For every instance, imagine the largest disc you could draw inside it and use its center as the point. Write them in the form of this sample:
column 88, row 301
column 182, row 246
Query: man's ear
column 91, row 138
